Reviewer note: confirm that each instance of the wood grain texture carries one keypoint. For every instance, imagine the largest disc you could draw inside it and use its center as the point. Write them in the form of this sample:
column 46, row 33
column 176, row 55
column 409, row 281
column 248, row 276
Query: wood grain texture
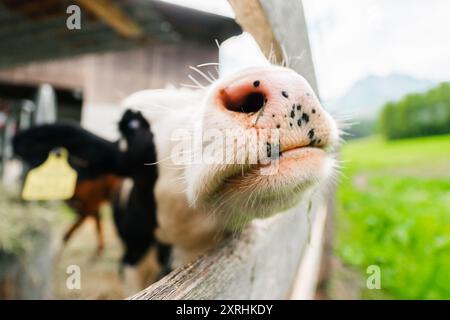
column 309, row 269
column 281, row 26
column 252, row 18
column 259, row 263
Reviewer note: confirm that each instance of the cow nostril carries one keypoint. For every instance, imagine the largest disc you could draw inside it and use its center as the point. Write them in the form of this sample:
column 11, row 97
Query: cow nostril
column 253, row 102
column 249, row 103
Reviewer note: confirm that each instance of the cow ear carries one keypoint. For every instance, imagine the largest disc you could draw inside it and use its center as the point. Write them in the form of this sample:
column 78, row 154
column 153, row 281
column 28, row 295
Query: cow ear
column 139, row 114
column 140, row 117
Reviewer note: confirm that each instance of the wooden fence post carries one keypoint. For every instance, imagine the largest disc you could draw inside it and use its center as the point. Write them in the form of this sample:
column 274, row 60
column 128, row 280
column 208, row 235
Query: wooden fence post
column 280, row 26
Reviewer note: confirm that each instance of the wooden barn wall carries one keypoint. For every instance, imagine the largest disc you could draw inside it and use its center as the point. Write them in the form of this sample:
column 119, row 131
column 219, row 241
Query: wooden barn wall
column 106, row 78
column 65, row 73
column 113, row 76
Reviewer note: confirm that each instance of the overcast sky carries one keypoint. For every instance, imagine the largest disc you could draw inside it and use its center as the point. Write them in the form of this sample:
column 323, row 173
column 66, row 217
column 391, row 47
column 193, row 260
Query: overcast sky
column 354, row 38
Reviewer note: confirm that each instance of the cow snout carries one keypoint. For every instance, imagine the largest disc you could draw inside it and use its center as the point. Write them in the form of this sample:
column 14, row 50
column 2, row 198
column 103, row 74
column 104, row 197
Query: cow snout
column 280, row 99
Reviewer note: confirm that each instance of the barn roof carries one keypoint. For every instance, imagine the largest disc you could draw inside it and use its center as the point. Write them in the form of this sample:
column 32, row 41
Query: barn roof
column 36, row 30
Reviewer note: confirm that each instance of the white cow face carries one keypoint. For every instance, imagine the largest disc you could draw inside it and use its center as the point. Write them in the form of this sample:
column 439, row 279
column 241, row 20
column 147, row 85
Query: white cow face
column 257, row 140
column 266, row 142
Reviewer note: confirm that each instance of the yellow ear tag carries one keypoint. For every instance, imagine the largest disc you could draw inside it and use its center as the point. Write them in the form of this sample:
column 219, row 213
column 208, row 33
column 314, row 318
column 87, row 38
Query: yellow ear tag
column 53, row 180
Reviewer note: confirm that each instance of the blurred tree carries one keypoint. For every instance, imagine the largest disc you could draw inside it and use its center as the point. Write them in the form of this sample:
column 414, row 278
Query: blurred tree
column 417, row 114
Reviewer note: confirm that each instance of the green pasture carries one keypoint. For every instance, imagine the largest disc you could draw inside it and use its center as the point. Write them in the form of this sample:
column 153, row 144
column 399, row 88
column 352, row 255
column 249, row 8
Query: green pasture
column 394, row 212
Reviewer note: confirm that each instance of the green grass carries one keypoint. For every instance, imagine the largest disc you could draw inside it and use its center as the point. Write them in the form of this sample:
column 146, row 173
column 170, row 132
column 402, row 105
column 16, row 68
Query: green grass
column 394, row 212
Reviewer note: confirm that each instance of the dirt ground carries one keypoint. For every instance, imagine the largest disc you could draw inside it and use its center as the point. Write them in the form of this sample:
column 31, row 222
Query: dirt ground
column 344, row 282
column 347, row 283
column 100, row 277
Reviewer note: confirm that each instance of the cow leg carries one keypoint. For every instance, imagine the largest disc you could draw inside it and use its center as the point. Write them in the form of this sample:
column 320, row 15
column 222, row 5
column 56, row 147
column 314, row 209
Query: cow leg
column 100, row 234
column 69, row 233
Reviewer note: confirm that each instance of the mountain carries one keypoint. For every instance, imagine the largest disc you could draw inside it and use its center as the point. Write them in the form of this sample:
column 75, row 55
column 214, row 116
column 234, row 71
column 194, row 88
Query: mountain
column 366, row 97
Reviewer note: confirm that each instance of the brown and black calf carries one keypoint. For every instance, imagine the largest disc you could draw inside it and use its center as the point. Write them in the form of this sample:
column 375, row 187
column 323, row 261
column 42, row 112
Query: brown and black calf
column 90, row 195
column 108, row 172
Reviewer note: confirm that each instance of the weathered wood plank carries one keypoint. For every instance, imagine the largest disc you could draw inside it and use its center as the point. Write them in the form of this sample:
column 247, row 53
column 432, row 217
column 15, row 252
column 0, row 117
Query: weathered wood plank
column 252, row 18
column 279, row 26
column 288, row 23
column 262, row 262
column 308, row 273
column 114, row 16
